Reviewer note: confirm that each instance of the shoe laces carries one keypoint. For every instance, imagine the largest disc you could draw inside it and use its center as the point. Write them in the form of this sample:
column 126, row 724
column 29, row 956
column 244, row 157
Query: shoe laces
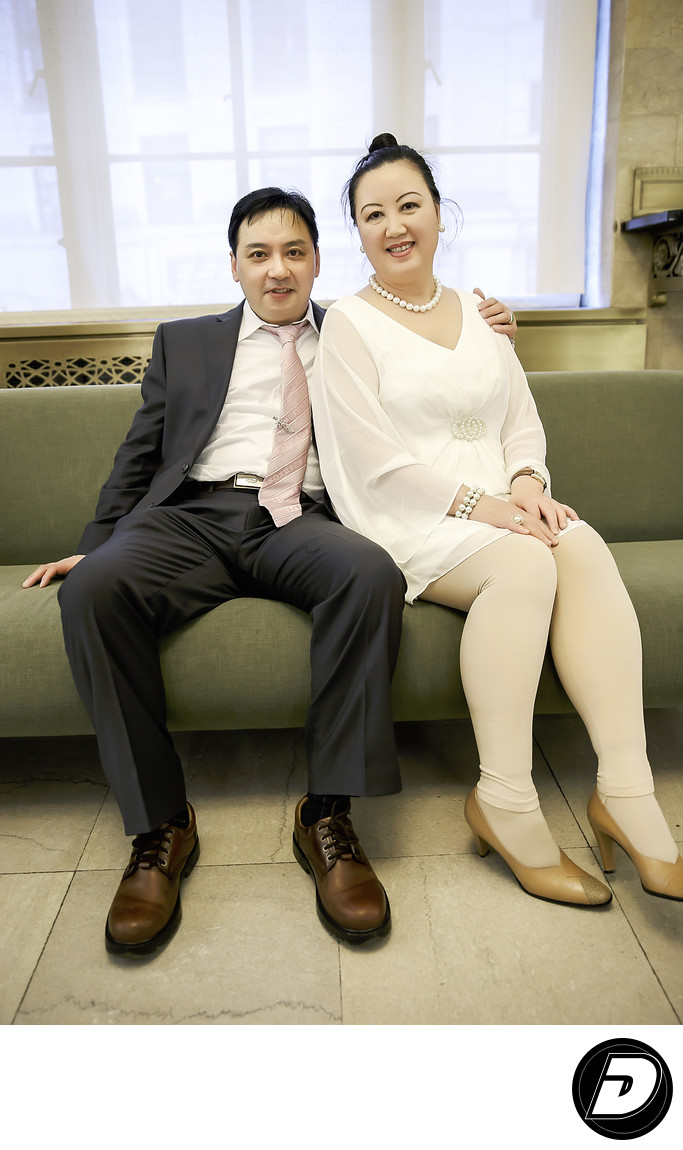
column 151, row 849
column 338, row 838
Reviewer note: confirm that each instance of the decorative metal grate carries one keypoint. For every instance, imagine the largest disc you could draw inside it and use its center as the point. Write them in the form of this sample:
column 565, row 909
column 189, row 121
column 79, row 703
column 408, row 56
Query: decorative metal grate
column 79, row 370
column 667, row 257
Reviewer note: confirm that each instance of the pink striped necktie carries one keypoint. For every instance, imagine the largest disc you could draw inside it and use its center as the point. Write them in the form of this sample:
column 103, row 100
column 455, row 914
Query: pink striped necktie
column 281, row 487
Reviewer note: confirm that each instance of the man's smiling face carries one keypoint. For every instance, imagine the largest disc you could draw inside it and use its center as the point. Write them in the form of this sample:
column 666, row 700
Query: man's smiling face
column 275, row 264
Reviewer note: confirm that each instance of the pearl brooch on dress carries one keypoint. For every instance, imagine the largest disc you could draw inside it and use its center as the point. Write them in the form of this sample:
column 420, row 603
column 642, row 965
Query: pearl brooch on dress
column 402, row 303
column 469, row 428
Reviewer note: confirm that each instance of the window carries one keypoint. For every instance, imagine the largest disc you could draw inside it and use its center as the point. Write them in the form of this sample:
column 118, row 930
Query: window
column 130, row 127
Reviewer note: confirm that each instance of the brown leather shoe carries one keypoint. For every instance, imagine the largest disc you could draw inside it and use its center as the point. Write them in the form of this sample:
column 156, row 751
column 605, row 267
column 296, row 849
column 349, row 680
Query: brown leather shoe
column 352, row 902
column 146, row 909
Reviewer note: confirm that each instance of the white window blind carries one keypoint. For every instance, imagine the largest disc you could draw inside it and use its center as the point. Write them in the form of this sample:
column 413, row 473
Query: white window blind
column 128, row 128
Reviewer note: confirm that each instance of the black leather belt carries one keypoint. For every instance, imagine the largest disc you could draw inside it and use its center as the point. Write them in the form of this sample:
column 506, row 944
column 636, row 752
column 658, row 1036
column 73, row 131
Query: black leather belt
column 244, row 480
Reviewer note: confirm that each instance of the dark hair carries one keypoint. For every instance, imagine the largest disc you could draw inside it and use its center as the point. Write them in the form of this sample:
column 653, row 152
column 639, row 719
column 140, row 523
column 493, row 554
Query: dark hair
column 385, row 149
column 265, row 200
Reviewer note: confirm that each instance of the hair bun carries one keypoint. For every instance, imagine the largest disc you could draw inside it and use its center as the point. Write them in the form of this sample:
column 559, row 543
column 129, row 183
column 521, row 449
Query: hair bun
column 384, row 140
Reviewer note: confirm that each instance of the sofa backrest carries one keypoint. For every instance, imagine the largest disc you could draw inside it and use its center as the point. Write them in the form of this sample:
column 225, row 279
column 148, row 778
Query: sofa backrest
column 615, row 453
column 57, row 445
column 615, row 448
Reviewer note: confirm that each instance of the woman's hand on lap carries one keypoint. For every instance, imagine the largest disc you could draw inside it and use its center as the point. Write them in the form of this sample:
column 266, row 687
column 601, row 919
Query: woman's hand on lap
column 540, row 515
column 528, row 496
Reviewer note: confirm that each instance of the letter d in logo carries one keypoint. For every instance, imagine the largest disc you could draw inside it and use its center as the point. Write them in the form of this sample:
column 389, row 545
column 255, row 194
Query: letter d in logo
column 622, row 1089
column 625, row 1086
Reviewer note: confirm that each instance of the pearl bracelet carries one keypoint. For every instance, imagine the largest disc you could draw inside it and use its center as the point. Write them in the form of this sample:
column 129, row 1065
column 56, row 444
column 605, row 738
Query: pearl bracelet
column 469, row 502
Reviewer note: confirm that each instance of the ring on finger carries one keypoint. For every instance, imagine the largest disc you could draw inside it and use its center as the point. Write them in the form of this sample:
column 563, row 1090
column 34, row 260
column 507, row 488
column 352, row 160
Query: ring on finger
column 518, row 519
column 511, row 319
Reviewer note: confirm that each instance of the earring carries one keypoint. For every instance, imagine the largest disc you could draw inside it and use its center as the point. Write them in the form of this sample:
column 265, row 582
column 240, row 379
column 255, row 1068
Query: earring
column 442, row 227
column 362, row 249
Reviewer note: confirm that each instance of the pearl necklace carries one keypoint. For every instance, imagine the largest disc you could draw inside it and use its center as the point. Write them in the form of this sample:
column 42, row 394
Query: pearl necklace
column 402, row 303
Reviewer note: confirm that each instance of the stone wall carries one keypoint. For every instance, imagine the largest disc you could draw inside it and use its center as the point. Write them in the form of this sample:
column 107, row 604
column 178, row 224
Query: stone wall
column 645, row 129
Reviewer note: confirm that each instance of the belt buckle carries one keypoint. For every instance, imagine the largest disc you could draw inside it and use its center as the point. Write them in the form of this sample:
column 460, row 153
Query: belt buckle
column 244, row 479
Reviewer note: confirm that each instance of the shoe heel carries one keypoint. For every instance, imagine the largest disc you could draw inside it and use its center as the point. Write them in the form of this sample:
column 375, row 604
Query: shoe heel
column 606, row 848
column 300, row 856
column 474, row 818
column 483, row 847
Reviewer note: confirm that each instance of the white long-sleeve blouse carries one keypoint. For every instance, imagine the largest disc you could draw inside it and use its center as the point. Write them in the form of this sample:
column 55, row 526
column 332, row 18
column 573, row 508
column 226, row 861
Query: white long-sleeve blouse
column 401, row 423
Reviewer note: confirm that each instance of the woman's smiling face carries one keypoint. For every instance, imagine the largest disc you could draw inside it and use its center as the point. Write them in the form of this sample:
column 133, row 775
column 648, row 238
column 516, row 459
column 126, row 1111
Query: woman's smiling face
column 398, row 221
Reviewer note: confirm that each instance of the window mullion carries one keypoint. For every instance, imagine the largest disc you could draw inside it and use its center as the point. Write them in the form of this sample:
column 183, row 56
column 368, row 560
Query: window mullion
column 398, row 67
column 569, row 35
column 239, row 116
column 70, row 53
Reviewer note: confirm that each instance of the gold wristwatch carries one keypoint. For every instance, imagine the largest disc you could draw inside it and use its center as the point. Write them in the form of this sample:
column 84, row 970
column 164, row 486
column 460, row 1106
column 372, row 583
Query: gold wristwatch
column 533, row 473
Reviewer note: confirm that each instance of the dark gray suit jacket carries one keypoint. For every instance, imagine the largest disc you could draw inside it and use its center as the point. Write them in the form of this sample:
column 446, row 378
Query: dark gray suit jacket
column 183, row 392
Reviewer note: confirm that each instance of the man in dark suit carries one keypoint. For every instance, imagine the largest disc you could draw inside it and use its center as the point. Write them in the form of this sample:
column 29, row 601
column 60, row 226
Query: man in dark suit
column 216, row 493
column 179, row 528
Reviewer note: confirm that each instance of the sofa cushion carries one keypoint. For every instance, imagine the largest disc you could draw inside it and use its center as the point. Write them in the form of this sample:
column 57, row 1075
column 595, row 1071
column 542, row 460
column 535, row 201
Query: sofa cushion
column 222, row 670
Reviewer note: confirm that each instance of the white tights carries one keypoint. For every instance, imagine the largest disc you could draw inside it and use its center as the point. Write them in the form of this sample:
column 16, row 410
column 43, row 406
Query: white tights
column 517, row 592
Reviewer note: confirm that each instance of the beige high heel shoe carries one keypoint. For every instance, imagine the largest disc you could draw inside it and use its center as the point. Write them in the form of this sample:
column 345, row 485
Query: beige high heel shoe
column 661, row 878
column 566, row 882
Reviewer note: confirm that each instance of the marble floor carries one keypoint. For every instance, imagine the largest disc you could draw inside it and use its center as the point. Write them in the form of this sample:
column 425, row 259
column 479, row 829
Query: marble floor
column 468, row 946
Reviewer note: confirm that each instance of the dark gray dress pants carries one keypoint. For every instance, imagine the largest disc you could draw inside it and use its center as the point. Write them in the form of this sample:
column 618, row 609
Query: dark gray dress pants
column 167, row 564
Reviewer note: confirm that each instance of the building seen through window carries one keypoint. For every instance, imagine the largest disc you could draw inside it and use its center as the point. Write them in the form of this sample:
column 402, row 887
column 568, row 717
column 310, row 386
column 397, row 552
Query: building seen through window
column 129, row 128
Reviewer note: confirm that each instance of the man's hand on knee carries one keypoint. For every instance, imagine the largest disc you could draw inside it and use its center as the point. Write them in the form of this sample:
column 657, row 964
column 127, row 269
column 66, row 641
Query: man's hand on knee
column 49, row 571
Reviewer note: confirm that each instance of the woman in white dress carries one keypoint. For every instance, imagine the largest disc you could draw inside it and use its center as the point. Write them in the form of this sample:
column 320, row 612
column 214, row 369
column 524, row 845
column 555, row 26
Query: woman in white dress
column 431, row 445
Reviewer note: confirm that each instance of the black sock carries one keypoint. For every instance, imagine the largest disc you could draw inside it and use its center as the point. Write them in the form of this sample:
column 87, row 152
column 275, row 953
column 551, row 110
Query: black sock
column 320, row 807
column 181, row 820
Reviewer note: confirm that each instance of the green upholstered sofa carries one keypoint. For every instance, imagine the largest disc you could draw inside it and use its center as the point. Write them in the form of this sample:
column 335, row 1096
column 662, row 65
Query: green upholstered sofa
column 615, row 452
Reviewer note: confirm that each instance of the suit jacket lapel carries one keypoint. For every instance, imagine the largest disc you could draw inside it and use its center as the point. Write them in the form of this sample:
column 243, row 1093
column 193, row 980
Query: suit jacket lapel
column 219, row 351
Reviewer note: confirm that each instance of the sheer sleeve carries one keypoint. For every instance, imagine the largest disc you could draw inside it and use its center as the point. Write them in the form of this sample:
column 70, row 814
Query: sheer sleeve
column 377, row 487
column 522, row 435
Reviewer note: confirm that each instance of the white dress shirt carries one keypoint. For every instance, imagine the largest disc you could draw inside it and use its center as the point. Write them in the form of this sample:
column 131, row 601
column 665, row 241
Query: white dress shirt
column 242, row 440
